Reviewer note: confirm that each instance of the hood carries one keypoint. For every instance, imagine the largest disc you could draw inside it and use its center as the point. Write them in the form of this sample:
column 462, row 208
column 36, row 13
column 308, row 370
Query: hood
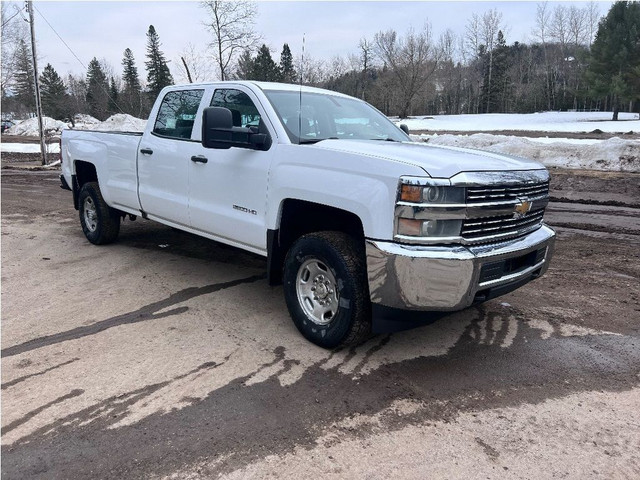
column 437, row 161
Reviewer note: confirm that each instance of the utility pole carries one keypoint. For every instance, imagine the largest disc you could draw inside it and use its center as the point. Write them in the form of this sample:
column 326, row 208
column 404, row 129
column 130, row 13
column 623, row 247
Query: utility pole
column 43, row 148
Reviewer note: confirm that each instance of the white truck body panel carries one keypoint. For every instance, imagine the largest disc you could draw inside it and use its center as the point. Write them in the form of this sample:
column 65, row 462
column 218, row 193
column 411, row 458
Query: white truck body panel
column 236, row 196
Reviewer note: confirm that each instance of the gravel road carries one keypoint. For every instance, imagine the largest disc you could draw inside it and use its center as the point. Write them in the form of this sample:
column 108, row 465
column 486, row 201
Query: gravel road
column 165, row 355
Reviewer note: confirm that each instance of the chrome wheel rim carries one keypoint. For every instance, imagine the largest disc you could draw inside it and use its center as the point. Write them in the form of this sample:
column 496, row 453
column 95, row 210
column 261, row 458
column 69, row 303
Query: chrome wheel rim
column 90, row 214
column 316, row 288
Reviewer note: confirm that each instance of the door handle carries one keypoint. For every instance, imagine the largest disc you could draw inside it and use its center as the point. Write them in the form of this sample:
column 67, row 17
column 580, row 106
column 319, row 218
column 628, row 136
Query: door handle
column 146, row 151
column 199, row 159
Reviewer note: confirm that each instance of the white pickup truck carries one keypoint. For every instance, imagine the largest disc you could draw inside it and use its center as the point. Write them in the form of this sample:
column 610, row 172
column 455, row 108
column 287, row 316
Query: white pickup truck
column 353, row 217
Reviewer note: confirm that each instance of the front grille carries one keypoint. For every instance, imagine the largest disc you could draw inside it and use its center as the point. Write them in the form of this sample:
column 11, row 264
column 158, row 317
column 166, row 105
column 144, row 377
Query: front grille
column 496, row 270
column 500, row 193
column 505, row 225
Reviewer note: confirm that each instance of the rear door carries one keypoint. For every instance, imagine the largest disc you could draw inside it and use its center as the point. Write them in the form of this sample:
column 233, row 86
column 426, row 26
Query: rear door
column 164, row 157
column 228, row 193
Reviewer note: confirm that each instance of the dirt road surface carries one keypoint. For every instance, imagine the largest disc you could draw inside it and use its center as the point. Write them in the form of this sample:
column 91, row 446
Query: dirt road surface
column 168, row 356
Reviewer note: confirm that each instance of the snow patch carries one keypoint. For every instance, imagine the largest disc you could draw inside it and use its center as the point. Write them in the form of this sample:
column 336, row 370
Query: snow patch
column 27, row 148
column 30, row 127
column 537, row 122
column 614, row 154
column 119, row 122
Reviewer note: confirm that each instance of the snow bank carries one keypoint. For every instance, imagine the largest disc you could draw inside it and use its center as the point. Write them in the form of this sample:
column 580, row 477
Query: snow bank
column 538, row 122
column 121, row 122
column 614, row 154
column 30, row 127
column 85, row 122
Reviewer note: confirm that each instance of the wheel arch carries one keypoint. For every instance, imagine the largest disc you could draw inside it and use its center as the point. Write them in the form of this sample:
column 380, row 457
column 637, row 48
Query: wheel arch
column 299, row 217
column 84, row 172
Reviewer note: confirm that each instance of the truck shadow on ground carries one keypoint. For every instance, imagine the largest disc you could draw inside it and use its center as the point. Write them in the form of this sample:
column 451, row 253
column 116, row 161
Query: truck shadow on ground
column 488, row 366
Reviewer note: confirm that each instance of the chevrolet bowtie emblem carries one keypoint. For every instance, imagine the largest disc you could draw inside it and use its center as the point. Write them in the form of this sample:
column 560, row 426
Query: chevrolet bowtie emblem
column 522, row 208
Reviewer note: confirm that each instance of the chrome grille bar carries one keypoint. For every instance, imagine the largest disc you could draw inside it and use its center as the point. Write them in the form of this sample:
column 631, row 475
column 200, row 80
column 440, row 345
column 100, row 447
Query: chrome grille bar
column 476, row 229
column 506, row 192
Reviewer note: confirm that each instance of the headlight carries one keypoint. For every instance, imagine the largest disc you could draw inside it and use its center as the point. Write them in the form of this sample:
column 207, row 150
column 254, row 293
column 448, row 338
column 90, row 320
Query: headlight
column 429, row 228
column 432, row 194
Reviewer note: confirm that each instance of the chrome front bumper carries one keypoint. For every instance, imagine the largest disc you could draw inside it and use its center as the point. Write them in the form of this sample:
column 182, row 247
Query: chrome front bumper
column 448, row 278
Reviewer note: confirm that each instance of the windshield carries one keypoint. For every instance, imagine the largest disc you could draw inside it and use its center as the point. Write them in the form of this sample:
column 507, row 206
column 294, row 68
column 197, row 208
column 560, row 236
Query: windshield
column 327, row 116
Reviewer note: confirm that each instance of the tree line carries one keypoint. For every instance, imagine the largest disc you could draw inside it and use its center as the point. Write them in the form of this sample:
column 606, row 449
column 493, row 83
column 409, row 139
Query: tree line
column 577, row 60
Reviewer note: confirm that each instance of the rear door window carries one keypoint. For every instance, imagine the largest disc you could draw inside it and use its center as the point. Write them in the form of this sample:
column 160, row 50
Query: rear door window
column 177, row 114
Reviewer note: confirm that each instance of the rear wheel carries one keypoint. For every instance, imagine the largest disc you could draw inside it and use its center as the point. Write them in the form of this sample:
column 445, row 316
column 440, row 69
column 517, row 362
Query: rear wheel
column 100, row 223
column 326, row 289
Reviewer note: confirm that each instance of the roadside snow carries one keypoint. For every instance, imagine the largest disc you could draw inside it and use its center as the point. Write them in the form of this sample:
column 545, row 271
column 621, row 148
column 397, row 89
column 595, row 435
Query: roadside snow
column 122, row 122
column 614, row 154
column 85, row 122
column 30, row 127
column 119, row 122
column 538, row 122
column 27, row 148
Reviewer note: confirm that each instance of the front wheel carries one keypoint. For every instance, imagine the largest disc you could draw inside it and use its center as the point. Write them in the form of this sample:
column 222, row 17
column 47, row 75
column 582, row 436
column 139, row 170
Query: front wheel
column 100, row 223
column 326, row 289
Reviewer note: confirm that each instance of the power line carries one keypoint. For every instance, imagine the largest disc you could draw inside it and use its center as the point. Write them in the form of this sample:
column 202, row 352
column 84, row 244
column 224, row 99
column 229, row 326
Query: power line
column 76, row 57
column 58, row 35
column 6, row 22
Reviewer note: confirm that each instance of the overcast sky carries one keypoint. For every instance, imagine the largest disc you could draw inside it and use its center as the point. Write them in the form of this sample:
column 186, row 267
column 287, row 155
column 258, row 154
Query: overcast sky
column 105, row 29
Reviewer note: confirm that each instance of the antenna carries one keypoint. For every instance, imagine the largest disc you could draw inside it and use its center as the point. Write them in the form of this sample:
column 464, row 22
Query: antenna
column 300, row 109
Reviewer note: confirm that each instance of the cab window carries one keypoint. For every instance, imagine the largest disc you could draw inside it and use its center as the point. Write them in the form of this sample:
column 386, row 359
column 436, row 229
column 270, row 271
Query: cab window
column 243, row 110
column 177, row 114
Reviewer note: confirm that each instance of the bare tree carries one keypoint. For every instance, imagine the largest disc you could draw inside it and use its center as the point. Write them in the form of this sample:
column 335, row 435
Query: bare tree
column 231, row 24
column 193, row 65
column 577, row 25
column 560, row 25
column 593, row 17
column 472, row 36
column 366, row 62
column 312, row 72
column 14, row 29
column 412, row 59
column 543, row 18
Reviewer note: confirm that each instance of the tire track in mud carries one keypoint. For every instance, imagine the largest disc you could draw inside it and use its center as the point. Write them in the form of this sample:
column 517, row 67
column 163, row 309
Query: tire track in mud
column 148, row 312
column 242, row 422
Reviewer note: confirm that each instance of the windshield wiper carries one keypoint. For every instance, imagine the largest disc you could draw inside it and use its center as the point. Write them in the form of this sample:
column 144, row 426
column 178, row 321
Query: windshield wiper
column 311, row 141
column 384, row 139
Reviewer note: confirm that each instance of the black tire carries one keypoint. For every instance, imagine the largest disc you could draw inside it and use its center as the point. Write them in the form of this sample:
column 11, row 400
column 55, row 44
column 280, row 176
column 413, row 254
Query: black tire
column 320, row 261
column 100, row 223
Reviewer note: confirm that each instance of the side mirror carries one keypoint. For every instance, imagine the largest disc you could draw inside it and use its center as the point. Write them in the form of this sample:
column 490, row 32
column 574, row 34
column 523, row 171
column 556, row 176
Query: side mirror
column 218, row 132
column 404, row 128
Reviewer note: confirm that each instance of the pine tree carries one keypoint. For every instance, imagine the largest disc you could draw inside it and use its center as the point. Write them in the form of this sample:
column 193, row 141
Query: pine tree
column 495, row 92
column 245, row 68
column 158, row 75
column 287, row 72
column 264, row 68
column 131, row 100
column 53, row 93
column 24, row 80
column 130, row 74
column 97, row 91
column 114, row 95
column 614, row 69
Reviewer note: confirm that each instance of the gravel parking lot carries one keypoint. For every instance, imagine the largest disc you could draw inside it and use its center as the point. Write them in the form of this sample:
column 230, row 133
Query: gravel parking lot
column 165, row 355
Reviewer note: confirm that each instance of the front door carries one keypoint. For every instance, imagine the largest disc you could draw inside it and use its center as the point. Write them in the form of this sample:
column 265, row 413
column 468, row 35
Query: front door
column 228, row 193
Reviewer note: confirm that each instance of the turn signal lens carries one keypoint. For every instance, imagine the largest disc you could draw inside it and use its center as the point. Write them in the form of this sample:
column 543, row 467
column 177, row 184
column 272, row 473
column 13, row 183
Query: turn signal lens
column 429, row 228
column 410, row 227
column 411, row 193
